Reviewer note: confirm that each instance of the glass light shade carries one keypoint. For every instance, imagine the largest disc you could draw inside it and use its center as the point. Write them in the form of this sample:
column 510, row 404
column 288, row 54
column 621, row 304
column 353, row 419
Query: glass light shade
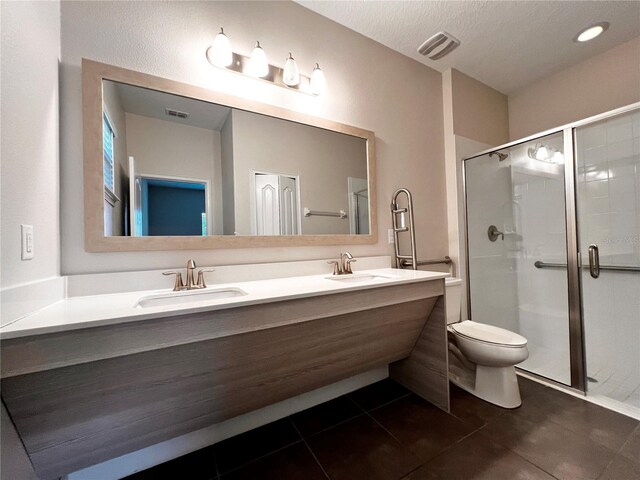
column 259, row 65
column 221, row 54
column 542, row 153
column 558, row 158
column 318, row 84
column 291, row 74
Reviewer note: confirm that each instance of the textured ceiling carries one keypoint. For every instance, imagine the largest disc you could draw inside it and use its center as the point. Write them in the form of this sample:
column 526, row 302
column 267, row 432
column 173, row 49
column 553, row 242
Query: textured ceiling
column 504, row 44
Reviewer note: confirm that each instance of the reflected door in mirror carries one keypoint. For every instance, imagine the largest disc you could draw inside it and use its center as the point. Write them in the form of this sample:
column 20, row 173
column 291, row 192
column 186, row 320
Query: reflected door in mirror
column 276, row 210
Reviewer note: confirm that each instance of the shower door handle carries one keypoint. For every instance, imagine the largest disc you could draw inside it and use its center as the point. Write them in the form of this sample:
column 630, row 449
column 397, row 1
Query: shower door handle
column 594, row 261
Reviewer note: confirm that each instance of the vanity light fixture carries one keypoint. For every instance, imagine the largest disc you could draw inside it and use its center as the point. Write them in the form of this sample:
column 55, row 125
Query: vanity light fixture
column 591, row 32
column 259, row 65
column 291, row 74
column 220, row 55
column 318, row 83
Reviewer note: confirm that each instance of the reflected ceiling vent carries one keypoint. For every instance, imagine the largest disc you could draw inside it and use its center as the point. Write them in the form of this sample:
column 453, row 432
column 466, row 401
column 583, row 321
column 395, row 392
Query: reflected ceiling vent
column 441, row 44
column 176, row 113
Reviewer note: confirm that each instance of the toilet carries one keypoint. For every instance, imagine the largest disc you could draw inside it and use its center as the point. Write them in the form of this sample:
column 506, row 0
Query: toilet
column 482, row 357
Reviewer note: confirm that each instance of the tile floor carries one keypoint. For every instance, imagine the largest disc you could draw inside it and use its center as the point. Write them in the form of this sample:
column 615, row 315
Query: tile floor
column 385, row 432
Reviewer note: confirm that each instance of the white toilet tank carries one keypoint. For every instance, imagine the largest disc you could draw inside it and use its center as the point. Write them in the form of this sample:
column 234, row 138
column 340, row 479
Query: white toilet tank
column 453, row 298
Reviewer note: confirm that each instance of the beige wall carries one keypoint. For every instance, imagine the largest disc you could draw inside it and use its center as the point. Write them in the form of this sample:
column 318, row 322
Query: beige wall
column 151, row 37
column 479, row 112
column 599, row 84
column 29, row 186
column 112, row 104
column 321, row 159
column 178, row 151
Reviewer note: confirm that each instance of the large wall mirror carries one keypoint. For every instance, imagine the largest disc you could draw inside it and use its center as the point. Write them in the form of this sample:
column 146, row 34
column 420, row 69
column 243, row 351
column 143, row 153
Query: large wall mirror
column 173, row 166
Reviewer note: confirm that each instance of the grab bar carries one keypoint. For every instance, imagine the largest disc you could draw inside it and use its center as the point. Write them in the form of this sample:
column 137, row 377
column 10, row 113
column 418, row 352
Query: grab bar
column 408, row 263
column 620, row 268
column 340, row 214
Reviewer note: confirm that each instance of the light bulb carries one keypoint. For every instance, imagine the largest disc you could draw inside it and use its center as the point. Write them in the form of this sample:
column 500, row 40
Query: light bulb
column 558, row 158
column 291, row 74
column 542, row 153
column 318, row 84
column 259, row 66
column 591, row 32
column 221, row 54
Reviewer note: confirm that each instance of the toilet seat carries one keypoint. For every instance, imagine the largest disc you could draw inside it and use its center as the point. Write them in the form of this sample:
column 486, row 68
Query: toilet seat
column 488, row 334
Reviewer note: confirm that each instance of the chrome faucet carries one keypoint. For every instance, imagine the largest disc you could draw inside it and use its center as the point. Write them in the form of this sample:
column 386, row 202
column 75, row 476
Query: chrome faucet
column 191, row 284
column 342, row 266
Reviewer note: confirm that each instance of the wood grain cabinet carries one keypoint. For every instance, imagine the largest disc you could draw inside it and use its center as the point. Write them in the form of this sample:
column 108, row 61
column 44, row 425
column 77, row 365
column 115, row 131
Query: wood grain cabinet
column 82, row 397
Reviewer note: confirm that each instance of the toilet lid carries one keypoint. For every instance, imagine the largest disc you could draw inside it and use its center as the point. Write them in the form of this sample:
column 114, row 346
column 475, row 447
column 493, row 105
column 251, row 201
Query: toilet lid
column 488, row 333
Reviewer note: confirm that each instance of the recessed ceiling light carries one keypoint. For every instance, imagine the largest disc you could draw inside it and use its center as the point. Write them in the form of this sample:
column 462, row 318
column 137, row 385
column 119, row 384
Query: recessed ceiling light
column 591, row 32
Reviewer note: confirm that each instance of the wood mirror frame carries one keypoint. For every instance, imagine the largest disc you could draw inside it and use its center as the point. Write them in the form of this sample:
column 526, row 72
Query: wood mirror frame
column 93, row 73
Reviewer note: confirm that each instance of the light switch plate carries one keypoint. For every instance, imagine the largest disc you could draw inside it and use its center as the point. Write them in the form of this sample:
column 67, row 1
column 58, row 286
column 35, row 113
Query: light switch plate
column 27, row 241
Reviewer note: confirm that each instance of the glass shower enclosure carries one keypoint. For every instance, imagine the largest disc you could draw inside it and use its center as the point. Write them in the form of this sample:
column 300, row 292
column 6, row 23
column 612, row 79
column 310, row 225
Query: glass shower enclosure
column 553, row 251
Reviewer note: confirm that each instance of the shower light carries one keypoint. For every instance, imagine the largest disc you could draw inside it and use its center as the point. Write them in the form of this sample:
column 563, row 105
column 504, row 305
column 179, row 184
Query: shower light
column 591, row 32
column 544, row 153
column 258, row 65
column 221, row 54
column 558, row 158
column 290, row 73
column 541, row 153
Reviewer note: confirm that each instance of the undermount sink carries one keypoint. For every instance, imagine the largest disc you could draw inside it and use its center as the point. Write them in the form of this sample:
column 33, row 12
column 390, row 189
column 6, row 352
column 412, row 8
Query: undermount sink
column 357, row 277
column 189, row 296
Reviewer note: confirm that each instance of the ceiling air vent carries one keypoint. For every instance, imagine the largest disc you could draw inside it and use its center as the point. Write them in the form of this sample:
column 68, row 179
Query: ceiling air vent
column 175, row 113
column 439, row 45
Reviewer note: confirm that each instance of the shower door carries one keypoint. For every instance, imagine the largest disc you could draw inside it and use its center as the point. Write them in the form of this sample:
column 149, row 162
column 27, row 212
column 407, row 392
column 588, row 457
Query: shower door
column 608, row 188
column 517, row 249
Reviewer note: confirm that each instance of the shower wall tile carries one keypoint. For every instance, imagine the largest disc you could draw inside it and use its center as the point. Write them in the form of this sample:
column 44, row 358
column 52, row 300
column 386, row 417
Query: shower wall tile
column 489, row 203
column 543, row 309
column 620, row 150
column 598, row 188
column 596, row 205
column 592, row 136
column 618, row 129
column 622, row 184
column 609, row 215
column 622, row 169
column 595, row 155
column 596, row 174
column 624, row 202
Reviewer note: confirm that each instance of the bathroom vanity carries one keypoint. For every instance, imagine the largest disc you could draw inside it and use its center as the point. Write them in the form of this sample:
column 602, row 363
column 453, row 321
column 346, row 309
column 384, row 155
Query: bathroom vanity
column 94, row 377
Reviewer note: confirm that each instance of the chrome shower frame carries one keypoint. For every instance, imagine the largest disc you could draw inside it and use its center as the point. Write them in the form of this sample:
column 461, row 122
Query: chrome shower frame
column 574, row 288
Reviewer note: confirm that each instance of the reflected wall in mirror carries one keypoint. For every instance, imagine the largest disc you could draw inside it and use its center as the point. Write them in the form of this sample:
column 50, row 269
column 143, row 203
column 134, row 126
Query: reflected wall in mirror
column 174, row 164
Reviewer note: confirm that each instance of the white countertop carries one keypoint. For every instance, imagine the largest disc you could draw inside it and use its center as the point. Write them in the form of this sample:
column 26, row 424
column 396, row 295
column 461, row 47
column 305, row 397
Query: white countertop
column 100, row 310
